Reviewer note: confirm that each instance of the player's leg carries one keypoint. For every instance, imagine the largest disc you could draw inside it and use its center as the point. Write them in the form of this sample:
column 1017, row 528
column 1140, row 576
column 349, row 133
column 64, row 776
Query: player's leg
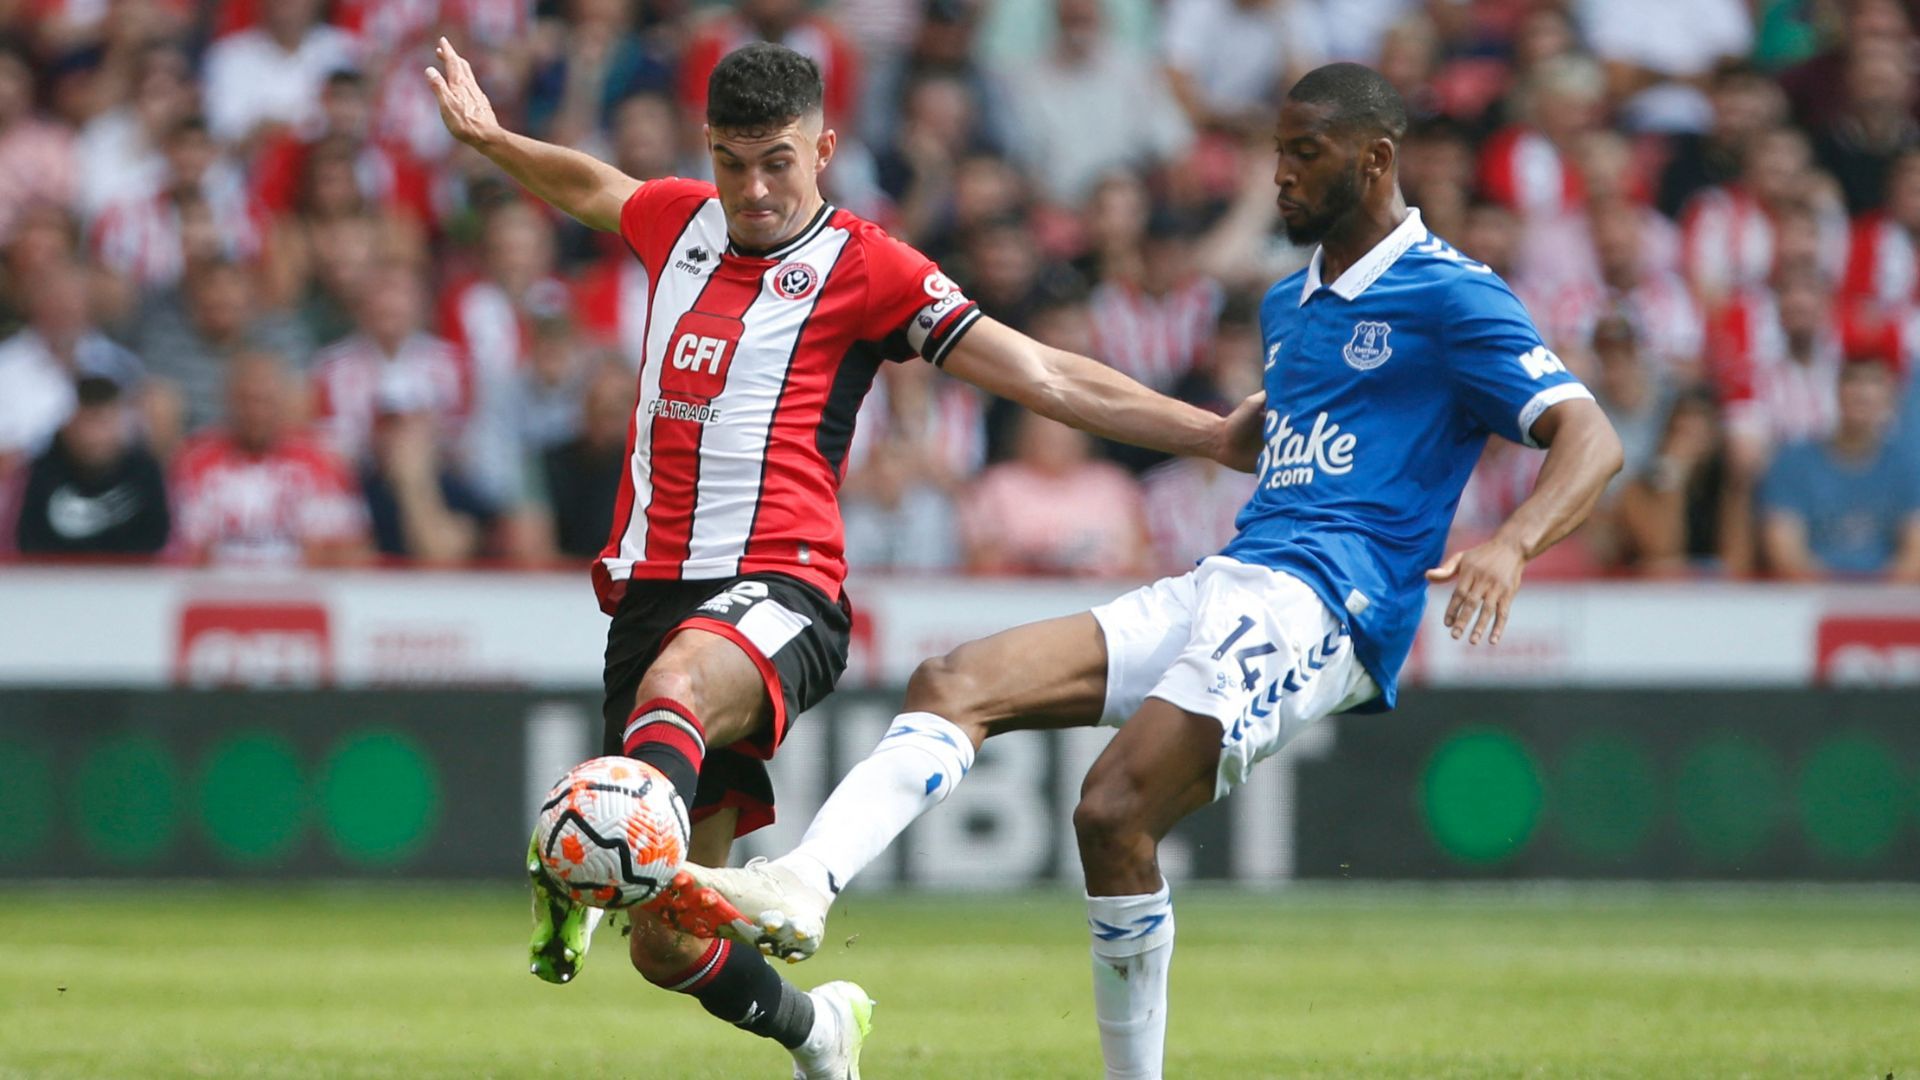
column 1065, row 672
column 1158, row 769
column 823, row 1028
column 701, row 693
column 1264, row 658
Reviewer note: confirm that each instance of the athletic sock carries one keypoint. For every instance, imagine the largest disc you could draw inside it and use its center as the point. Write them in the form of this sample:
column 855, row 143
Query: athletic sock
column 920, row 759
column 738, row 986
column 666, row 735
column 1132, row 950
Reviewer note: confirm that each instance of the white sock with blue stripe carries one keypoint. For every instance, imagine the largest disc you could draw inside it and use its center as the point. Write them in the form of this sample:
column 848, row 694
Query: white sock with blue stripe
column 918, row 762
column 1132, row 952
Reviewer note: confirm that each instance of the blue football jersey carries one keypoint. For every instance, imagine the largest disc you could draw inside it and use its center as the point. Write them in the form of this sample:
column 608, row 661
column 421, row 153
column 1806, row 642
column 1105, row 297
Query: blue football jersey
column 1382, row 388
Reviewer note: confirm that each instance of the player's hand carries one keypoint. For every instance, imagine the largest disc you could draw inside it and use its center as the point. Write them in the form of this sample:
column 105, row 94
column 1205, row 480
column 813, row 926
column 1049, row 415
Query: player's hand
column 464, row 107
column 1485, row 576
column 1238, row 443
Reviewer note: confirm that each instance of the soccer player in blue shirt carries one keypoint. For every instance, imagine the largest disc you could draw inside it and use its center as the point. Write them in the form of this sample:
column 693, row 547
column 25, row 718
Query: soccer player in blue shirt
column 1389, row 361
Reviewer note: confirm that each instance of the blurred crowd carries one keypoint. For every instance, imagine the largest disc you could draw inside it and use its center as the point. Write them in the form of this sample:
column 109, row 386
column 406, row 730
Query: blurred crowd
column 256, row 307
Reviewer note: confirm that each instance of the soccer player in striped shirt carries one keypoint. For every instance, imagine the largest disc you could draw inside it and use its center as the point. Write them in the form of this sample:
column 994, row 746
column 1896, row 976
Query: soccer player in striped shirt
column 769, row 314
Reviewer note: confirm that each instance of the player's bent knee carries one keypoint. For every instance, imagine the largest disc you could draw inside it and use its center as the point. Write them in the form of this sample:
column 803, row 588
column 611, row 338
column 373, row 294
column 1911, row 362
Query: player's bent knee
column 946, row 687
column 670, row 683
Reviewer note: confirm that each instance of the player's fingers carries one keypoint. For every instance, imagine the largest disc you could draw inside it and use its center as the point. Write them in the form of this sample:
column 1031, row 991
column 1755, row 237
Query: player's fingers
column 1457, row 607
column 1481, row 620
column 1500, row 618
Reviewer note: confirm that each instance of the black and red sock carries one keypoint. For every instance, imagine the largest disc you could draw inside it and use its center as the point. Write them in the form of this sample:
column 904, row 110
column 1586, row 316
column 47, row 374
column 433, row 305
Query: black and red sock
column 666, row 735
column 738, row 986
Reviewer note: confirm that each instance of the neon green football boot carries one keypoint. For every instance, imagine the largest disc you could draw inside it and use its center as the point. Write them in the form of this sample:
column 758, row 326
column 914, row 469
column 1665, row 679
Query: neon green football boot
column 562, row 929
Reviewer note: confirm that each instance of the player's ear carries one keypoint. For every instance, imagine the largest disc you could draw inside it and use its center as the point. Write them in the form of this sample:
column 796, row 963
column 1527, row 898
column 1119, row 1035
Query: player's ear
column 823, row 148
column 1380, row 154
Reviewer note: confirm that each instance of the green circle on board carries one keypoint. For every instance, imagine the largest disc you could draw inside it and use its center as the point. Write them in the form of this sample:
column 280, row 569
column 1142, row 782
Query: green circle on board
column 1605, row 796
column 126, row 799
column 253, row 800
column 1728, row 795
column 1481, row 796
column 379, row 797
column 1851, row 795
column 26, row 798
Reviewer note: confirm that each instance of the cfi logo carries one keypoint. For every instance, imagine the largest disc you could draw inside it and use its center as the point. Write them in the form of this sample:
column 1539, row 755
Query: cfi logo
column 1369, row 348
column 795, row 281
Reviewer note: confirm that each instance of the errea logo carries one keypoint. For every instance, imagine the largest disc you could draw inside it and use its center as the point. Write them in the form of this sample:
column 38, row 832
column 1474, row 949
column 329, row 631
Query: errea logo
column 1540, row 362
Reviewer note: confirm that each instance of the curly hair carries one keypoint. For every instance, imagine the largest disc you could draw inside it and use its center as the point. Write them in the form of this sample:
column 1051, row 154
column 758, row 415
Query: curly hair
column 762, row 86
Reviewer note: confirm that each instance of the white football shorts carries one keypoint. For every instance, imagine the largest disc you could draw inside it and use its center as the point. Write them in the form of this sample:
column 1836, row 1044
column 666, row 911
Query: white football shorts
column 1252, row 647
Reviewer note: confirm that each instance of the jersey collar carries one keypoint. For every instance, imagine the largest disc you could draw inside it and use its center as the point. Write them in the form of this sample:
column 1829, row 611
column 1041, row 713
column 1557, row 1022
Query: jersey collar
column 1368, row 268
column 814, row 227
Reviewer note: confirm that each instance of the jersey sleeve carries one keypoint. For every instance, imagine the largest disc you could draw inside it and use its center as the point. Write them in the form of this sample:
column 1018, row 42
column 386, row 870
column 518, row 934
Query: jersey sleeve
column 655, row 215
column 912, row 308
column 1501, row 372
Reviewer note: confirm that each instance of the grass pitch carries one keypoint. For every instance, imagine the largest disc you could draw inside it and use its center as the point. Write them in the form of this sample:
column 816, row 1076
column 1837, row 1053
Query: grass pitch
column 1307, row 982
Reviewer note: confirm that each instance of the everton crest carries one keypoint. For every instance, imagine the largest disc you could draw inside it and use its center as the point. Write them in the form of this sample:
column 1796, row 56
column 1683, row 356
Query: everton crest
column 1369, row 348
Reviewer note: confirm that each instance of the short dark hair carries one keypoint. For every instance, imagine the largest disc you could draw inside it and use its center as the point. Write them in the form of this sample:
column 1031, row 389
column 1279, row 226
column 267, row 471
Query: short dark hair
column 762, row 86
column 1362, row 98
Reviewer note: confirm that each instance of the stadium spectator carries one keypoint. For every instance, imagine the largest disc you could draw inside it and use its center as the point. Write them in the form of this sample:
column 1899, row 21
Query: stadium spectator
column 40, row 362
column 581, row 477
column 1054, row 509
column 1632, row 389
column 1859, row 143
column 1228, row 60
column 1729, row 234
column 1154, row 313
column 119, row 149
column 1684, row 510
column 189, row 335
column 37, row 162
column 420, row 508
column 784, row 22
column 1848, row 505
column 1090, row 105
column 199, row 208
column 1882, row 278
column 1656, row 300
column 919, row 439
column 259, row 490
column 384, row 174
column 1656, row 53
column 599, row 62
column 1777, row 359
column 271, row 74
column 96, row 490
column 1745, row 103
column 916, row 168
column 1530, row 165
column 1817, row 87
column 392, row 357
column 339, row 259
column 942, row 46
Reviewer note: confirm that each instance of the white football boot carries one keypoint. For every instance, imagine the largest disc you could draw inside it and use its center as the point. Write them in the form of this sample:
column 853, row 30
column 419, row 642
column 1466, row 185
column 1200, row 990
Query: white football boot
column 773, row 909
column 842, row 1020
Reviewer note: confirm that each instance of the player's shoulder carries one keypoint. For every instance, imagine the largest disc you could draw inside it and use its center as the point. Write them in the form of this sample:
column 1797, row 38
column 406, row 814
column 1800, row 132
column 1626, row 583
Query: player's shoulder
column 1460, row 284
column 885, row 255
column 665, row 191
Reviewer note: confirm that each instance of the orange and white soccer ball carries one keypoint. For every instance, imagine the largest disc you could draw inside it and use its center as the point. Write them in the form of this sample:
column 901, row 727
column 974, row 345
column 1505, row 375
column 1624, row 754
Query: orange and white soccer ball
column 612, row 833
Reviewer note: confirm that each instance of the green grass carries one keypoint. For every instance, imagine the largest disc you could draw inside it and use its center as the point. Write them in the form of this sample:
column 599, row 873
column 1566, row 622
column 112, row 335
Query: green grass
column 1309, row 982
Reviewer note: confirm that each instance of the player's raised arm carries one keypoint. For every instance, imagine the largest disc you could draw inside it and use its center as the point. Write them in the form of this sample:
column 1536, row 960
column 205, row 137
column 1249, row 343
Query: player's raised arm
column 583, row 187
column 1583, row 453
column 1084, row 393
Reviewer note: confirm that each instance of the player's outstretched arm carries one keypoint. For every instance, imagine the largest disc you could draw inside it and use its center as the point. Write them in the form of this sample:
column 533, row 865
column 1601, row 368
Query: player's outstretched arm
column 1583, row 453
column 1087, row 394
column 577, row 184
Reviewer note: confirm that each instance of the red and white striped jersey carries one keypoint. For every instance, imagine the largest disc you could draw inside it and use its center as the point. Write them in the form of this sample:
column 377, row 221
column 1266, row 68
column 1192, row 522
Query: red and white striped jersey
column 753, row 372
column 1660, row 306
column 1729, row 241
column 1155, row 339
column 1522, row 169
column 356, row 378
column 1770, row 396
column 234, row 507
column 1882, row 267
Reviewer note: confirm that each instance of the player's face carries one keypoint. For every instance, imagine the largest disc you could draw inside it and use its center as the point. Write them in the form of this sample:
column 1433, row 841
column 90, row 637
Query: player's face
column 769, row 181
column 1319, row 172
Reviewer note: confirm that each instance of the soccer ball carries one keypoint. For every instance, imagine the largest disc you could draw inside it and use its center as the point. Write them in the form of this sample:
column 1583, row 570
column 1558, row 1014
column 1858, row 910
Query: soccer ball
column 612, row 833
